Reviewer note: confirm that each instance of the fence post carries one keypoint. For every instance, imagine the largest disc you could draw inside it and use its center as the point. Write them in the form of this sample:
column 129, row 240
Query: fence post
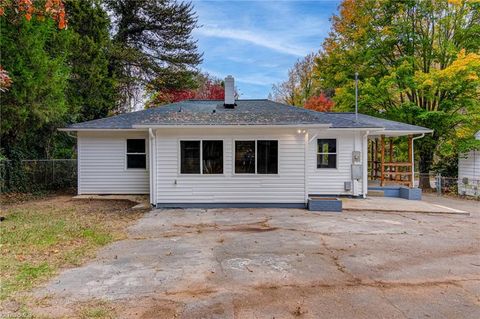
column 438, row 184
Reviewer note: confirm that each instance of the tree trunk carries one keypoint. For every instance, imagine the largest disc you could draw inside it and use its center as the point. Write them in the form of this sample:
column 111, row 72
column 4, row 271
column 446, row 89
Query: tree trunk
column 425, row 164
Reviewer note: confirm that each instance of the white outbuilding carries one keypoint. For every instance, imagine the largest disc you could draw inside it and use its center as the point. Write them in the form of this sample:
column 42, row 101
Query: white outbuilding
column 469, row 172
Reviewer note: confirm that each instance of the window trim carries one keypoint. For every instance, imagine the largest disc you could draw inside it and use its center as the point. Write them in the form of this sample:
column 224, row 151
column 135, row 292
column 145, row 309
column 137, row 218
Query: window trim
column 179, row 156
column 318, row 153
column 145, row 153
column 256, row 156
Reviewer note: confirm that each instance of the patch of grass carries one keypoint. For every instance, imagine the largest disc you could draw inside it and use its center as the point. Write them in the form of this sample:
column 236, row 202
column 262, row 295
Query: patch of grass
column 96, row 309
column 95, row 312
column 39, row 237
column 97, row 237
column 27, row 272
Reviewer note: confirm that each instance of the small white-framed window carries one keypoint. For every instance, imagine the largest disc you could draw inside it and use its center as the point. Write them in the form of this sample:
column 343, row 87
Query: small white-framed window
column 136, row 153
column 256, row 157
column 327, row 153
column 201, row 157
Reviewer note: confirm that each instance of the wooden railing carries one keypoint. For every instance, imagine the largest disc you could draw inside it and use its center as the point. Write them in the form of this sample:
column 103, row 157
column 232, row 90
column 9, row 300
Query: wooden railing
column 400, row 172
column 395, row 172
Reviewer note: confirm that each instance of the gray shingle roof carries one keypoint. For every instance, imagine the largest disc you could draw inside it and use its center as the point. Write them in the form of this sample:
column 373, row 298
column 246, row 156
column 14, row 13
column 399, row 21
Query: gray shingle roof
column 246, row 112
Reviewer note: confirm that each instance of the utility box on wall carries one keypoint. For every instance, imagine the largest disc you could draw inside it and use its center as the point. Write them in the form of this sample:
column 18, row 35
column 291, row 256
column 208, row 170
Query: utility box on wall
column 356, row 157
column 347, row 186
column 357, row 171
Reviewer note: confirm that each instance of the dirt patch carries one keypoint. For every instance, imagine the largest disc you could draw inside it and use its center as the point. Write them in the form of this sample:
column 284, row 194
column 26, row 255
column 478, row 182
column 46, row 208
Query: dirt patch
column 9, row 199
column 251, row 229
column 261, row 226
column 160, row 309
column 192, row 292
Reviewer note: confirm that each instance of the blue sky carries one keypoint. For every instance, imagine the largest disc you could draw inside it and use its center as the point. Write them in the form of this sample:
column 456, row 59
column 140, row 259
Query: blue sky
column 258, row 41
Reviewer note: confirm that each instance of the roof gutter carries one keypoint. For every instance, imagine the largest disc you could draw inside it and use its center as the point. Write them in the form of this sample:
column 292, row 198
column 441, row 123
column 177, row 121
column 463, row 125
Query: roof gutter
column 376, row 129
column 406, row 132
column 173, row 126
column 67, row 129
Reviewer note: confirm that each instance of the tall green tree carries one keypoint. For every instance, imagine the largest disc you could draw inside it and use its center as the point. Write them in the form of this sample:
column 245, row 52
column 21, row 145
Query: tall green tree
column 92, row 86
column 418, row 62
column 153, row 45
column 35, row 53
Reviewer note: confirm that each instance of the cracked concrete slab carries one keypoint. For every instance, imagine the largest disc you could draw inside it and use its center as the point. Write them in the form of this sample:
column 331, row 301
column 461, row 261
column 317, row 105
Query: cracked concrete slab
column 282, row 263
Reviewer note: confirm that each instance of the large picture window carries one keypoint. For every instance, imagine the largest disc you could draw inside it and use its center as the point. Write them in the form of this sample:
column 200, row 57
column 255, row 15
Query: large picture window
column 201, row 157
column 256, row 157
column 136, row 155
column 327, row 153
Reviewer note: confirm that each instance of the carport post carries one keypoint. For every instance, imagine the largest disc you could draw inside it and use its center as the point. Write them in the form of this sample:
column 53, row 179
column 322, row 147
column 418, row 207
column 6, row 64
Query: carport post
column 410, row 159
column 382, row 160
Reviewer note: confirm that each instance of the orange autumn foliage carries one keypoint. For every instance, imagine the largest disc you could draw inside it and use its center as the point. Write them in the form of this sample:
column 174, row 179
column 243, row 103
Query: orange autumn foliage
column 320, row 103
column 29, row 8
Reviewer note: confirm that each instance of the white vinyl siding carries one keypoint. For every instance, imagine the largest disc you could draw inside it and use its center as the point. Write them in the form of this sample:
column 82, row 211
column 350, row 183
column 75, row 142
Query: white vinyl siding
column 469, row 168
column 102, row 164
column 330, row 181
column 285, row 187
column 469, row 165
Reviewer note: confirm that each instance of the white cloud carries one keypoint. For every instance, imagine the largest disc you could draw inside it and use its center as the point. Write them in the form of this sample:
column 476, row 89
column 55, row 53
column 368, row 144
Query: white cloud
column 256, row 62
column 252, row 37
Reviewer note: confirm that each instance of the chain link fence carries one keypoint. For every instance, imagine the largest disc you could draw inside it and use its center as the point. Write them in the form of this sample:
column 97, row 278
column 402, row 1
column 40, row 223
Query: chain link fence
column 448, row 185
column 38, row 175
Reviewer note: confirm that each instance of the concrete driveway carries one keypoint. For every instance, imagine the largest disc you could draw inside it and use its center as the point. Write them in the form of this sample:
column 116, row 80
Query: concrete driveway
column 283, row 263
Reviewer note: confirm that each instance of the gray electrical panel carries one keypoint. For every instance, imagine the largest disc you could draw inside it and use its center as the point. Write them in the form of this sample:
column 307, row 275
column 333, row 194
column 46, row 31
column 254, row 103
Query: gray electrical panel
column 357, row 171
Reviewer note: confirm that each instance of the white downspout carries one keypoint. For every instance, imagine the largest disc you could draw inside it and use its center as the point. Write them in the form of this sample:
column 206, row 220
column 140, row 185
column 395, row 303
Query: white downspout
column 152, row 165
column 305, row 166
column 365, row 164
column 413, row 156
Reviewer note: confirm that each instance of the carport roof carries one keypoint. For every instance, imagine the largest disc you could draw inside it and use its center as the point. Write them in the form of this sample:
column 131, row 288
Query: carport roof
column 245, row 113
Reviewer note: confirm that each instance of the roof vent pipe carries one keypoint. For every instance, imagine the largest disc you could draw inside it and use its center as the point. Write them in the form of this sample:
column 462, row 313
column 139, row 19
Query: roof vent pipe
column 229, row 92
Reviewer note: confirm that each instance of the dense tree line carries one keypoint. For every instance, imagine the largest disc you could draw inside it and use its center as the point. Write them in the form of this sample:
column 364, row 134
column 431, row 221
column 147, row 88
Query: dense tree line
column 65, row 61
column 418, row 62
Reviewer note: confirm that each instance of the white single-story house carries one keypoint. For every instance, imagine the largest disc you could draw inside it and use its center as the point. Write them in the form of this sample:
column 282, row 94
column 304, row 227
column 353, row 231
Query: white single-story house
column 469, row 172
column 235, row 153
